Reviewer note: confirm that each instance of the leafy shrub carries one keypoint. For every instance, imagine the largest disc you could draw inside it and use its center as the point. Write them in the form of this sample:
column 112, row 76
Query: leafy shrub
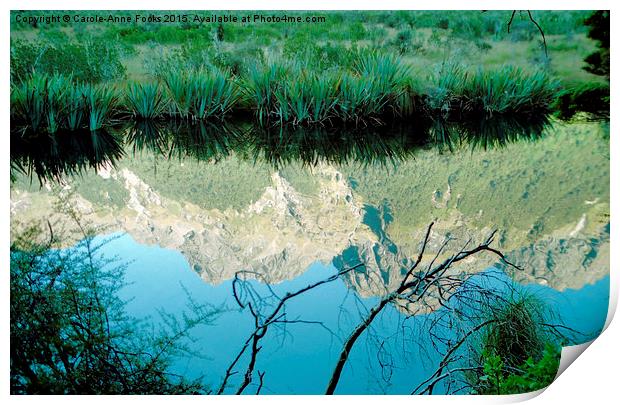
column 403, row 41
column 598, row 62
column 69, row 330
column 529, row 376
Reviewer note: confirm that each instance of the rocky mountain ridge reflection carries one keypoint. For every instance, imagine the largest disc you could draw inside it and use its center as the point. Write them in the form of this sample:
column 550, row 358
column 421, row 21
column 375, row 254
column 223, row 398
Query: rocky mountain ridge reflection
column 275, row 202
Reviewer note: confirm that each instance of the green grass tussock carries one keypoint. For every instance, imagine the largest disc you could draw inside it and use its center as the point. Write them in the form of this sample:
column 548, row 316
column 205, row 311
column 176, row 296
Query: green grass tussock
column 518, row 332
column 48, row 103
column 146, row 100
column 509, row 90
column 297, row 93
column 201, row 94
column 100, row 103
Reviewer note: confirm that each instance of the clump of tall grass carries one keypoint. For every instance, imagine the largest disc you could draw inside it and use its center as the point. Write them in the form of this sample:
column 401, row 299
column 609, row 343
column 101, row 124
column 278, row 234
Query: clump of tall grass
column 30, row 101
column 201, row 94
column 360, row 98
column 448, row 86
column 100, row 103
column 510, row 90
column 145, row 100
column 261, row 87
column 49, row 103
column 310, row 99
column 389, row 72
column 518, row 331
column 295, row 93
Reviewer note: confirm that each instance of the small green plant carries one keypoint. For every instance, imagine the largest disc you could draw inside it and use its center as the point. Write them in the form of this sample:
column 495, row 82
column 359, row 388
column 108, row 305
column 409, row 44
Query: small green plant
column 530, row 376
column 261, row 86
column 101, row 102
column 146, row 100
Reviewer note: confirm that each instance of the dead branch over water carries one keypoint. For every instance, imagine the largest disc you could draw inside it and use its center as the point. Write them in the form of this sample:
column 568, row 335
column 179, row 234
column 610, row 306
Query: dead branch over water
column 408, row 291
column 415, row 286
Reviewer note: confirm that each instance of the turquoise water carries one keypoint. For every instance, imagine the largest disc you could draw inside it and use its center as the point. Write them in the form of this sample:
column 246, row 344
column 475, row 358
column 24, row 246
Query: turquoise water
column 300, row 357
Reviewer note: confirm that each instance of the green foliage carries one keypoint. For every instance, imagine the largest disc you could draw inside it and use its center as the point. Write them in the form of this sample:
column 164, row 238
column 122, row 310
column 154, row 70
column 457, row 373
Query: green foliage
column 320, row 55
column 598, row 62
column 201, row 94
column 69, row 331
column 375, row 85
column 29, row 101
column 517, row 332
column 260, row 88
column 44, row 103
column 145, row 100
column 94, row 60
column 76, row 106
column 448, row 84
column 530, row 376
column 508, row 90
column 100, row 103
column 592, row 98
column 403, row 40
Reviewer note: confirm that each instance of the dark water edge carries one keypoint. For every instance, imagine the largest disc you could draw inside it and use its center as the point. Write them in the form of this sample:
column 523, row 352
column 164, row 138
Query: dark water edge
column 70, row 153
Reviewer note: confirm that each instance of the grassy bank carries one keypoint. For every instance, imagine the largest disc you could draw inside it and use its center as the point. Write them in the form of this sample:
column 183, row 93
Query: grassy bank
column 378, row 89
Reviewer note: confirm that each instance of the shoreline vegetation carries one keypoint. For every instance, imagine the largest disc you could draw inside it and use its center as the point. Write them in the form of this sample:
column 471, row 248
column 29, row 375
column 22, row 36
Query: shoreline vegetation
column 70, row 76
column 378, row 90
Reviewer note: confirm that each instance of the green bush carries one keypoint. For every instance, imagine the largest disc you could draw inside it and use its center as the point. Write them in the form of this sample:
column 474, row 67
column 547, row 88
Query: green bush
column 529, row 376
column 69, row 330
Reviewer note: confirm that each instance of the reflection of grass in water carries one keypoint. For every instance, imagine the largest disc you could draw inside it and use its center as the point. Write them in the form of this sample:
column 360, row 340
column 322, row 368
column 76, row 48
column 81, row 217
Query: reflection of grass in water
column 512, row 187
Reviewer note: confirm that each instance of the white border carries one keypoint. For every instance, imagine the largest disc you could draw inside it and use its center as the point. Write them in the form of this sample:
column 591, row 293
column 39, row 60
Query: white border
column 593, row 377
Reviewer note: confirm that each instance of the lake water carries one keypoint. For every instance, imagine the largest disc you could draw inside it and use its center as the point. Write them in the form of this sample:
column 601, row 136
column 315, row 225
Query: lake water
column 191, row 211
